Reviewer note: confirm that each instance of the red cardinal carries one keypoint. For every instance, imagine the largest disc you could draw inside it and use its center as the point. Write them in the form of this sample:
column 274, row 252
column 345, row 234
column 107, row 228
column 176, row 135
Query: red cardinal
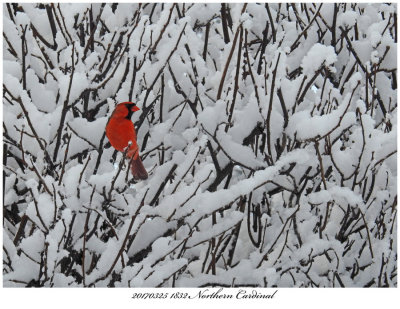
column 120, row 131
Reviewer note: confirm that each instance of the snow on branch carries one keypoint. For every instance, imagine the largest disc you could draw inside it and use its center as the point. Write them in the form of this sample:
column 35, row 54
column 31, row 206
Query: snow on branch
column 268, row 132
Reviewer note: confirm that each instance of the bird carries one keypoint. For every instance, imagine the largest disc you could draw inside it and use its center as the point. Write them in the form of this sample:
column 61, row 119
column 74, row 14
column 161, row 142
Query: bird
column 121, row 133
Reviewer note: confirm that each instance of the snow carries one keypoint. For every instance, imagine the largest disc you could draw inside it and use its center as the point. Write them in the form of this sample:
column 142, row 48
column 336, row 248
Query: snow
column 33, row 245
column 302, row 123
column 212, row 115
column 202, row 235
column 347, row 19
column 375, row 38
column 90, row 131
column 79, row 83
column 240, row 154
column 296, row 184
column 317, row 56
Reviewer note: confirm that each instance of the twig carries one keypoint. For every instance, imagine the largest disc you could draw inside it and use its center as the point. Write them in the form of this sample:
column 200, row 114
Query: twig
column 251, row 71
column 84, row 248
column 224, row 23
column 24, row 52
column 163, row 29
column 206, row 41
column 316, row 145
column 65, row 106
column 40, row 177
column 22, row 224
column 271, row 98
column 37, row 211
column 161, row 188
column 65, row 160
column 221, row 83
column 265, row 256
column 121, row 250
column 272, row 24
column 236, row 87
column 294, row 45
column 121, row 164
column 90, row 40
column 146, row 110
column 63, row 21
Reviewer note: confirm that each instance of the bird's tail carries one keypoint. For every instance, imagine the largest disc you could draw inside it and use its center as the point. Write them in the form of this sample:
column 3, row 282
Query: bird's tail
column 137, row 168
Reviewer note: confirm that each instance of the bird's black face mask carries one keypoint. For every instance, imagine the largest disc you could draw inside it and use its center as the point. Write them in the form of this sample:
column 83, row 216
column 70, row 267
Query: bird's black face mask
column 130, row 111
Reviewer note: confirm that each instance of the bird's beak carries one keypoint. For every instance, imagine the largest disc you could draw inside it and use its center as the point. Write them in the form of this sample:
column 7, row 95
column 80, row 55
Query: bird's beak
column 135, row 108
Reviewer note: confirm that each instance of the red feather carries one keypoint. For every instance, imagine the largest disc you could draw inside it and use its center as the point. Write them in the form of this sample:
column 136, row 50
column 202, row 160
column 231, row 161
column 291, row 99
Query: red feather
column 121, row 131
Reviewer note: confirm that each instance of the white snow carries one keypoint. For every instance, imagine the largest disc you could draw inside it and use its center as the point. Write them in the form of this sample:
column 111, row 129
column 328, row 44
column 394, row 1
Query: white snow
column 317, row 56
column 295, row 186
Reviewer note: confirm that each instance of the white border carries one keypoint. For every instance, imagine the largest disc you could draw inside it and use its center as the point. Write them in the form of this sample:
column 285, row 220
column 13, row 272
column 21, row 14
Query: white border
column 58, row 298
